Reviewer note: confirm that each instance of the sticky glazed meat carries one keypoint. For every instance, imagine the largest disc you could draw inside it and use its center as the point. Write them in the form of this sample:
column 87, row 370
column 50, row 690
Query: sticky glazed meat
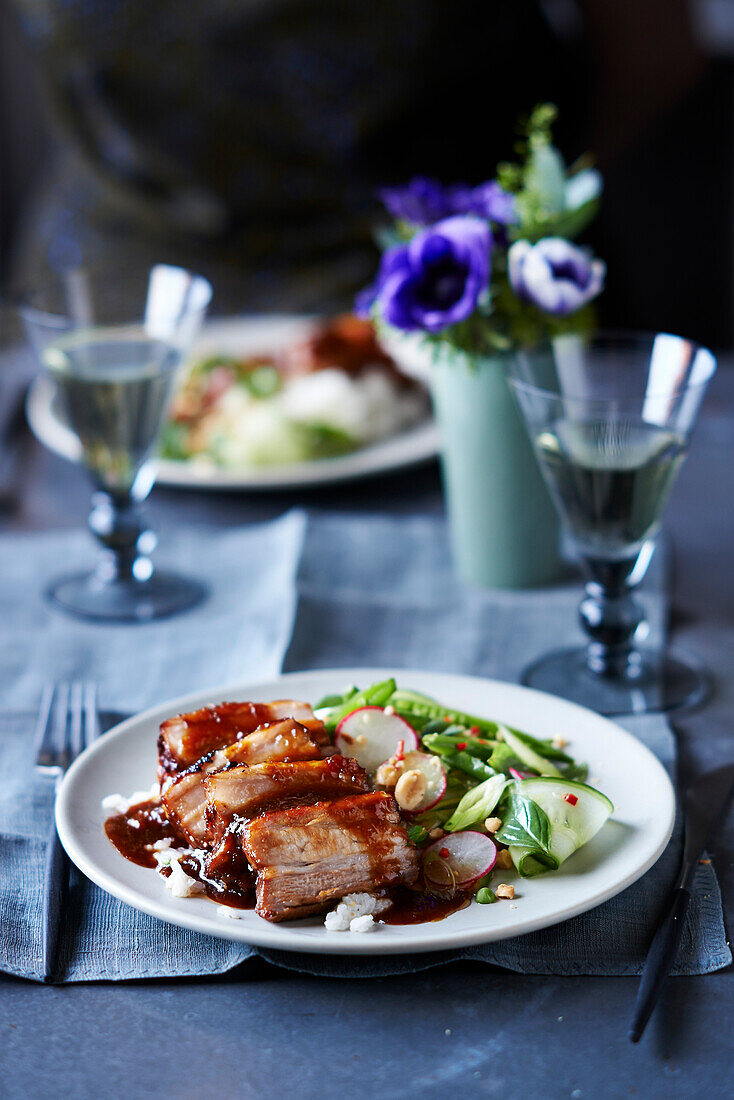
column 244, row 791
column 185, row 797
column 186, row 738
column 261, row 789
column 286, row 741
column 306, row 857
column 185, row 800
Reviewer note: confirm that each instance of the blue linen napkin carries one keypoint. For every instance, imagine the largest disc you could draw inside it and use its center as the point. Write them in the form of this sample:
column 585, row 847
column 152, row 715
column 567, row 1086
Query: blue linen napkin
column 300, row 592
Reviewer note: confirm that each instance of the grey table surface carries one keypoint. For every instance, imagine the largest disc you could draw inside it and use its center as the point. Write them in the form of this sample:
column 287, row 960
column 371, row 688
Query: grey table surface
column 458, row 1029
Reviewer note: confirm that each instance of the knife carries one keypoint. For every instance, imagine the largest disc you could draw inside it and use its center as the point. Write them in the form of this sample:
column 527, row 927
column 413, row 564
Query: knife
column 704, row 804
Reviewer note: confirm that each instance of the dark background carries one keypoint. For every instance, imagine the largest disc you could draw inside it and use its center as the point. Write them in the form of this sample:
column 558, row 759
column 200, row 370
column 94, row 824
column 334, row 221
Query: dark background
column 647, row 85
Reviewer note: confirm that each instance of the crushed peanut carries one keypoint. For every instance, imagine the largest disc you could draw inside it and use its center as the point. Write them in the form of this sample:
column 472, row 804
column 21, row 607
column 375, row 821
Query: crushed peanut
column 505, row 891
column 559, row 742
column 410, row 788
column 387, row 774
column 504, row 860
column 437, row 833
column 389, row 709
column 493, row 824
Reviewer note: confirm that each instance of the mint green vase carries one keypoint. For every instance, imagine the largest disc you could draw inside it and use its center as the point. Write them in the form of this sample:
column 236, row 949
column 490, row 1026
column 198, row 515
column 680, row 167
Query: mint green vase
column 504, row 528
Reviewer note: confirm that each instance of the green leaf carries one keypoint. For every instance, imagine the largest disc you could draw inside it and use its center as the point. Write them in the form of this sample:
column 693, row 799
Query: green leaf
column 336, row 700
column 526, row 831
column 377, row 695
column 477, row 804
column 545, row 182
column 524, row 824
column 417, row 835
column 503, row 758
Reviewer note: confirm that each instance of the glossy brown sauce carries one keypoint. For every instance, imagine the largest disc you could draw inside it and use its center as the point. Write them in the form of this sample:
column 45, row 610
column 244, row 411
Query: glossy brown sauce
column 135, row 832
column 415, row 907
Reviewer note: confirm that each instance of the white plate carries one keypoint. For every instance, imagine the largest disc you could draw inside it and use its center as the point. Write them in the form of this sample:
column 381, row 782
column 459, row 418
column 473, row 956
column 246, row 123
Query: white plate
column 124, row 760
column 243, row 336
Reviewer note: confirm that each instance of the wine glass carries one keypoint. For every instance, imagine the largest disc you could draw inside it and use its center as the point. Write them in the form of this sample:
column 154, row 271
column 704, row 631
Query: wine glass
column 114, row 354
column 610, row 419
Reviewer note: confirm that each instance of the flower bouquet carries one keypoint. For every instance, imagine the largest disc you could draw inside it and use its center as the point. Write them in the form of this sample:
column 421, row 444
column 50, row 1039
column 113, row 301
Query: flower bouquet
column 468, row 275
column 491, row 267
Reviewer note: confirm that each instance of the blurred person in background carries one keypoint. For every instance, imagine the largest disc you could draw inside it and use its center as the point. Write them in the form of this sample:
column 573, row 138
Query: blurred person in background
column 247, row 138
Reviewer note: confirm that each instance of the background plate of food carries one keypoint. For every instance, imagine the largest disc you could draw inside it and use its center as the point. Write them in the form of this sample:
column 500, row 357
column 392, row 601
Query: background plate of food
column 276, row 402
column 334, row 825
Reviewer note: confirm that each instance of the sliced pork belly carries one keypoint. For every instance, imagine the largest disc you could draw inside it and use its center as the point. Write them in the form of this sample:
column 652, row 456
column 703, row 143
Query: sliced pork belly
column 243, row 791
column 306, row 857
column 287, row 741
column 186, row 738
column 185, row 797
column 185, row 800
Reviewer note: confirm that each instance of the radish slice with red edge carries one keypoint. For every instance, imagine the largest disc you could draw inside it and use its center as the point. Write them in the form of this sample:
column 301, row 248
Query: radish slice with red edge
column 435, row 775
column 371, row 737
column 521, row 775
column 459, row 860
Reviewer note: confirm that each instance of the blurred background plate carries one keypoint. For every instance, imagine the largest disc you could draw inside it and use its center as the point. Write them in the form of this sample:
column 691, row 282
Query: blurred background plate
column 241, row 337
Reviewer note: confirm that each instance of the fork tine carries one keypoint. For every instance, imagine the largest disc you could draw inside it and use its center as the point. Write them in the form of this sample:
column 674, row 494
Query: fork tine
column 91, row 717
column 60, row 728
column 76, row 719
column 42, row 736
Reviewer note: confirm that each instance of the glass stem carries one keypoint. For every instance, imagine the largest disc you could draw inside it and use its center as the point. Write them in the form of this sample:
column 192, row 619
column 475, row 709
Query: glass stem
column 611, row 616
column 117, row 523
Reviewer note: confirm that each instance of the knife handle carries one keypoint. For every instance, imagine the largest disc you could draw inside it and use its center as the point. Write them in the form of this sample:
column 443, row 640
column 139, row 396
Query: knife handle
column 55, row 881
column 660, row 958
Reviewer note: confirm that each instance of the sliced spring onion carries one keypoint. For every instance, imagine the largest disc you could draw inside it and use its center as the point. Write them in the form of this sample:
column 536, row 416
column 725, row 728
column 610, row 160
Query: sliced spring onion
column 527, row 754
column 477, row 804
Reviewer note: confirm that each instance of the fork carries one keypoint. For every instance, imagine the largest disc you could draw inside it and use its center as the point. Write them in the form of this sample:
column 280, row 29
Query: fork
column 67, row 723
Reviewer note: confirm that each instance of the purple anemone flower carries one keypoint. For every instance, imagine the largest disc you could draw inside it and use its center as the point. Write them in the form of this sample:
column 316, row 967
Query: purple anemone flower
column 554, row 274
column 436, row 279
column 488, row 200
column 424, row 201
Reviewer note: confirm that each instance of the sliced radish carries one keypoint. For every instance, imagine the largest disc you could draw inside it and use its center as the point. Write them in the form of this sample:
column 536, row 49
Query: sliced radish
column 435, row 775
column 371, row 737
column 520, row 775
column 458, row 860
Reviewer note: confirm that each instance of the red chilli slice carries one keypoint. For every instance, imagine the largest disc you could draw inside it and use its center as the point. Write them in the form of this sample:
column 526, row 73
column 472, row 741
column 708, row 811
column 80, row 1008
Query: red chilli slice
column 572, row 799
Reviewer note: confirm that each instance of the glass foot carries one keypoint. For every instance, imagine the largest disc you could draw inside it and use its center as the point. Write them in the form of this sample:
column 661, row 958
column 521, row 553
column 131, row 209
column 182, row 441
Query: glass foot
column 125, row 601
column 664, row 683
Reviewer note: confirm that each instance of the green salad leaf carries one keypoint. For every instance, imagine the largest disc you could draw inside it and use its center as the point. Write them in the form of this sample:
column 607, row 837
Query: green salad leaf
column 477, row 804
column 527, row 833
column 377, row 695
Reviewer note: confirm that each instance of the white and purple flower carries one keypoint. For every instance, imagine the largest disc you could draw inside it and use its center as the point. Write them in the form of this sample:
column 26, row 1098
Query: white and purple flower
column 554, row 275
column 436, row 279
